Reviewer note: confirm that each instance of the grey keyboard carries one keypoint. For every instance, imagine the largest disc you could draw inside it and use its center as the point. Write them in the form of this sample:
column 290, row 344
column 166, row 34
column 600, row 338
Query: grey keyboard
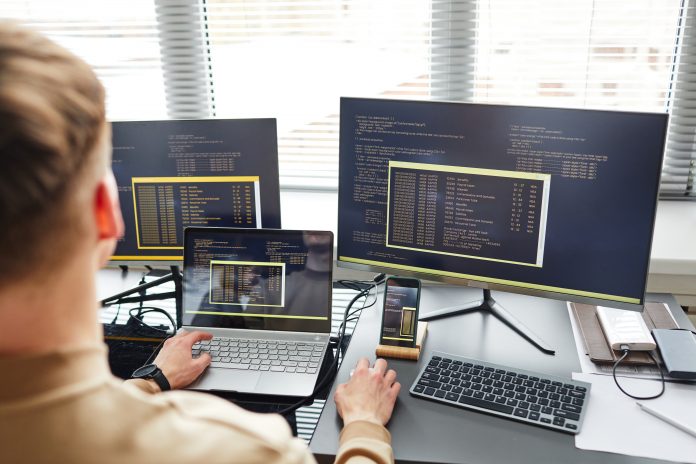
column 556, row 403
column 262, row 355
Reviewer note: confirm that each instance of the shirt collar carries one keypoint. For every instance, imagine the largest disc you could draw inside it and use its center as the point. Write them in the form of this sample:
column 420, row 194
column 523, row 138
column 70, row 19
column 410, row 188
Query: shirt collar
column 31, row 375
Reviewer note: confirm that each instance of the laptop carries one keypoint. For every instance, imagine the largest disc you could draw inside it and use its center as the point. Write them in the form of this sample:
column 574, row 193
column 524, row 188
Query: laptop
column 265, row 295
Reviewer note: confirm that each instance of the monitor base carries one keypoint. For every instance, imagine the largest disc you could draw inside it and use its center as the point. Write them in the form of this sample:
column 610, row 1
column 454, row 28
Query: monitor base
column 141, row 290
column 487, row 303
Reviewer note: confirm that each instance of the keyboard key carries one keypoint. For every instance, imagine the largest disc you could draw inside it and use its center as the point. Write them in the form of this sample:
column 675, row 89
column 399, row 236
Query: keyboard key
column 440, row 393
column 571, row 408
column 238, row 366
column 485, row 404
column 452, row 396
column 521, row 413
column 417, row 388
column 534, row 415
column 566, row 414
column 430, row 391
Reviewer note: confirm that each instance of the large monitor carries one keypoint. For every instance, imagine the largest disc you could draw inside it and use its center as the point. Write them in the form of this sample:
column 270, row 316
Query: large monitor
column 179, row 173
column 551, row 202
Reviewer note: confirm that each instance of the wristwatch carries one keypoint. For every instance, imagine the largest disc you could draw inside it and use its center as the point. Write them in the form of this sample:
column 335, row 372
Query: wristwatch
column 151, row 371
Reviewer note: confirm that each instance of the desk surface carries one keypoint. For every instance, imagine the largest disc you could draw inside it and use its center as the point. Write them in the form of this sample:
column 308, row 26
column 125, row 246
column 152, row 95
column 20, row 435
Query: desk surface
column 427, row 432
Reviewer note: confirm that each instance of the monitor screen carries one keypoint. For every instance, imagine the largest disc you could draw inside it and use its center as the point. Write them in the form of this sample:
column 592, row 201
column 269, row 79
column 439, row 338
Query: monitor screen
column 174, row 174
column 258, row 279
column 545, row 201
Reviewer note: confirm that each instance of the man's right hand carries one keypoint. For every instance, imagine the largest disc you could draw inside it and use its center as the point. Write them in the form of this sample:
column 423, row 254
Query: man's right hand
column 175, row 359
column 369, row 395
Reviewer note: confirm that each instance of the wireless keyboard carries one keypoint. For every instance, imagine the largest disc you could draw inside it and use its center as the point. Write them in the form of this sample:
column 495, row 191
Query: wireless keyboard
column 553, row 402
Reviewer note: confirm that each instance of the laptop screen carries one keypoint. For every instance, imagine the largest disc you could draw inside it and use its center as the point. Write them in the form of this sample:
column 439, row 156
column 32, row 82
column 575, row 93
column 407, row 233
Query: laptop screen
column 261, row 279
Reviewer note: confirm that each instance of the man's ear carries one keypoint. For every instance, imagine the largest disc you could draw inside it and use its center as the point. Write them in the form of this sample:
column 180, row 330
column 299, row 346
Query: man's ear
column 107, row 210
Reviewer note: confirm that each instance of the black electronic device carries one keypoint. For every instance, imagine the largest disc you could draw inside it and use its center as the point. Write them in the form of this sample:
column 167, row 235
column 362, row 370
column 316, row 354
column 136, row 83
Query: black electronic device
column 535, row 398
column 179, row 173
column 551, row 202
column 131, row 345
column 400, row 312
column 678, row 351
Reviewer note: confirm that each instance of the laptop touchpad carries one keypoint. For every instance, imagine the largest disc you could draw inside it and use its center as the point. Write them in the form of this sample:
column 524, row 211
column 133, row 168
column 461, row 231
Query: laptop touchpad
column 231, row 380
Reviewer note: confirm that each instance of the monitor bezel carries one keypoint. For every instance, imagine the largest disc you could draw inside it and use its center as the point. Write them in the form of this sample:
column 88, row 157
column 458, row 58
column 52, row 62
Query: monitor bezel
column 165, row 261
column 482, row 284
column 323, row 326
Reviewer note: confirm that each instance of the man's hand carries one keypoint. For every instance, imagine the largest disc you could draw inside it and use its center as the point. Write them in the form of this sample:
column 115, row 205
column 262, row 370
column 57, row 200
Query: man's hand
column 369, row 395
column 176, row 362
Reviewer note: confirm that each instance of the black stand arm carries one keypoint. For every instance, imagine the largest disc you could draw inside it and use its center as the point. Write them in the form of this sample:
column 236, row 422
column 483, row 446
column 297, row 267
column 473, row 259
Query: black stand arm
column 490, row 305
column 124, row 297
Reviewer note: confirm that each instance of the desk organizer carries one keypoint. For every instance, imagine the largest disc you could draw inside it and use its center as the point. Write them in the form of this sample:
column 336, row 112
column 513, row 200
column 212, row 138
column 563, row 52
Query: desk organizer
column 400, row 352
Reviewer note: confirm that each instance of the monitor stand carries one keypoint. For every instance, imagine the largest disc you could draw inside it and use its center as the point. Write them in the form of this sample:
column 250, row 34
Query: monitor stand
column 487, row 303
column 141, row 290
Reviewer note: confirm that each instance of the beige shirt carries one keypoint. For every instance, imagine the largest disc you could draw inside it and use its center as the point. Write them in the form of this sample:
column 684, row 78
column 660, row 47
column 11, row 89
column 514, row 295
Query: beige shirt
column 67, row 407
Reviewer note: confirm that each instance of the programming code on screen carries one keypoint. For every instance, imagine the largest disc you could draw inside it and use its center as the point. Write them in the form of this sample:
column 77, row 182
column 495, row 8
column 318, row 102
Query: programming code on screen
column 164, row 206
column 175, row 174
column 465, row 212
column 241, row 283
column 549, row 199
column 264, row 279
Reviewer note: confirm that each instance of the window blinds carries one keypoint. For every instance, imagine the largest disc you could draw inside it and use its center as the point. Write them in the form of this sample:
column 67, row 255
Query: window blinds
column 679, row 170
column 118, row 38
column 293, row 59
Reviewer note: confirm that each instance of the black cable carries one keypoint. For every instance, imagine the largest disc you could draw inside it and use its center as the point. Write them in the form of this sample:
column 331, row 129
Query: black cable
column 152, row 309
column 626, row 351
column 118, row 311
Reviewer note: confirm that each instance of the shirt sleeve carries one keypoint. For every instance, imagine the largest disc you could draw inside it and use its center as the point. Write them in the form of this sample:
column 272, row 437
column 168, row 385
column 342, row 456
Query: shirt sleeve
column 143, row 385
column 363, row 442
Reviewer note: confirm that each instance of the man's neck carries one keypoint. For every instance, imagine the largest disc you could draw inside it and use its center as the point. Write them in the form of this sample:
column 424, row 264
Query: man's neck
column 52, row 312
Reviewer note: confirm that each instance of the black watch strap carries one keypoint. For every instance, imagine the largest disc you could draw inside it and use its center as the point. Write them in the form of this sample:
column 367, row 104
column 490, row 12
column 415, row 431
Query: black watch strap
column 161, row 380
column 151, row 371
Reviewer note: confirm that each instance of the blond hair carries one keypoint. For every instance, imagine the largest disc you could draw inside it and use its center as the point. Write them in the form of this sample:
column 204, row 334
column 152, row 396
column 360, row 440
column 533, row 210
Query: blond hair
column 51, row 118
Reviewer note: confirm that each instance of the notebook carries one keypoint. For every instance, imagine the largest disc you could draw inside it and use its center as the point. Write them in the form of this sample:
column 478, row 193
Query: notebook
column 265, row 295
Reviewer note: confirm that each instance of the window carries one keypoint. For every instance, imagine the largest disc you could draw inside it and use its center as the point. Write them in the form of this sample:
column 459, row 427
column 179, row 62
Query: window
column 118, row 38
column 293, row 59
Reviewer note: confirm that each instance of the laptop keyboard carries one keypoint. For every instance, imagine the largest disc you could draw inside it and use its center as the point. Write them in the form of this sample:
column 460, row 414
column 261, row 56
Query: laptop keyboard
column 535, row 398
column 263, row 355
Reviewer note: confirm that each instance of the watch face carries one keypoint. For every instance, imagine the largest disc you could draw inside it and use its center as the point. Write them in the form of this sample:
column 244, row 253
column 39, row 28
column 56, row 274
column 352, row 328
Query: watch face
column 145, row 371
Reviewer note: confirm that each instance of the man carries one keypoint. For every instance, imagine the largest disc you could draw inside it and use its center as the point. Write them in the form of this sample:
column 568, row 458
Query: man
column 60, row 219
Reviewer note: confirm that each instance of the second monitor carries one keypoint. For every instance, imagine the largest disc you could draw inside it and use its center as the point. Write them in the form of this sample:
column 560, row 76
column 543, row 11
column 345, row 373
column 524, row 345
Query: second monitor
column 174, row 174
column 553, row 202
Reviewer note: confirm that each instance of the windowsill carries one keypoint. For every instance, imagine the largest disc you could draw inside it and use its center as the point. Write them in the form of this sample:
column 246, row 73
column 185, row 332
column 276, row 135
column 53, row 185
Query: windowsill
column 672, row 263
column 673, row 259
column 674, row 241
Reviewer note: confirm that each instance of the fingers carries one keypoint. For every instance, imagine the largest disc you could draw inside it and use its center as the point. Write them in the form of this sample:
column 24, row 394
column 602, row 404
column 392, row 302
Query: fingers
column 380, row 366
column 395, row 389
column 202, row 361
column 197, row 336
column 363, row 364
column 390, row 377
